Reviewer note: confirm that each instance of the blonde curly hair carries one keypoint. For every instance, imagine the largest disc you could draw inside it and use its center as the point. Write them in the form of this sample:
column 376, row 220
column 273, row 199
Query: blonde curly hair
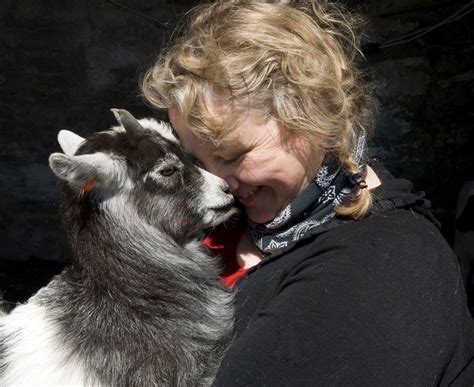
column 295, row 61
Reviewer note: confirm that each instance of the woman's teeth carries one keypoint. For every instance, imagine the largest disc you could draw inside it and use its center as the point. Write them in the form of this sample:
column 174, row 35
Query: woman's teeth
column 249, row 193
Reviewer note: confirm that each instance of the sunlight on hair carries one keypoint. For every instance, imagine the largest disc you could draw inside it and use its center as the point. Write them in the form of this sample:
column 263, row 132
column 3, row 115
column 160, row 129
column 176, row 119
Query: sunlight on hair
column 295, row 61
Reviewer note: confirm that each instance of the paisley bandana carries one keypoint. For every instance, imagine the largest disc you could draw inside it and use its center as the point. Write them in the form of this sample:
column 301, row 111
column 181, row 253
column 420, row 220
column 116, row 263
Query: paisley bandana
column 313, row 207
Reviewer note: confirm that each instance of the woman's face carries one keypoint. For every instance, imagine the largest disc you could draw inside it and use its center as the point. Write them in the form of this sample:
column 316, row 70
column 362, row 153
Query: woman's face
column 265, row 168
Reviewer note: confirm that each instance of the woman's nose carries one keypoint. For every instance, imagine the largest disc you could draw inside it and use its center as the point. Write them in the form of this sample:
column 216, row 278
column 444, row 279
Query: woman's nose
column 232, row 182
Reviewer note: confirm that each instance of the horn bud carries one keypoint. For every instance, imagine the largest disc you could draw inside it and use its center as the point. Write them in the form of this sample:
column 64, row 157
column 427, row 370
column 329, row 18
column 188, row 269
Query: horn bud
column 129, row 122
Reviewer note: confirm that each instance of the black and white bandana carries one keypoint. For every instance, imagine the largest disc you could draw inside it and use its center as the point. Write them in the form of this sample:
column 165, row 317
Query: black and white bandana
column 312, row 207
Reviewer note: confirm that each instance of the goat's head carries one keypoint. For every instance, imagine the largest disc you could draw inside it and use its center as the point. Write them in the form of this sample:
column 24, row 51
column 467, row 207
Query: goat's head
column 139, row 168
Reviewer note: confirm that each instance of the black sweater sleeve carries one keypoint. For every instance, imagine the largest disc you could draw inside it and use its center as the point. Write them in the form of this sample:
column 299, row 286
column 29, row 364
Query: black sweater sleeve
column 383, row 312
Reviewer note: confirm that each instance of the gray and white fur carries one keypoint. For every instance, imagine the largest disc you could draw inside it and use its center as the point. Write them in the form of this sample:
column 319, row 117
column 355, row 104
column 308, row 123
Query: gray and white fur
column 141, row 303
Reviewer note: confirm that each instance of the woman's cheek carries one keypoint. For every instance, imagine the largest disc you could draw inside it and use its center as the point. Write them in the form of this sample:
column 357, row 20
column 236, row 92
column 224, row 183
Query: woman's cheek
column 241, row 171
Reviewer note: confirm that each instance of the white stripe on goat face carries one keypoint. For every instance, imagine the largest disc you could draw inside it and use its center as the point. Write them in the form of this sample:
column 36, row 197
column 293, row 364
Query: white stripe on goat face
column 214, row 197
column 162, row 128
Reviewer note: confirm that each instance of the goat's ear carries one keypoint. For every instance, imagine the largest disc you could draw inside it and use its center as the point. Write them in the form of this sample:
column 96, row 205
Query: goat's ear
column 69, row 142
column 96, row 169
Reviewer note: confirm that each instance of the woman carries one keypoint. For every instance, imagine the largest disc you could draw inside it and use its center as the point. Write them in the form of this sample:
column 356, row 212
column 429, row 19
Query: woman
column 341, row 275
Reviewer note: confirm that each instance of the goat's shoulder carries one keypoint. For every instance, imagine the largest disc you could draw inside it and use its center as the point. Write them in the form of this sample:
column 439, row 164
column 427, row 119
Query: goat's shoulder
column 33, row 347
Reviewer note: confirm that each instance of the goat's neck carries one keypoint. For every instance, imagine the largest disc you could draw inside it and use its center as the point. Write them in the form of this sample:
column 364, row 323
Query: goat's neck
column 124, row 238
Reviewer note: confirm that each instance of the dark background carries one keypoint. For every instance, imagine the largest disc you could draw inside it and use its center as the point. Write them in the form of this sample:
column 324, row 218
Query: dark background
column 65, row 63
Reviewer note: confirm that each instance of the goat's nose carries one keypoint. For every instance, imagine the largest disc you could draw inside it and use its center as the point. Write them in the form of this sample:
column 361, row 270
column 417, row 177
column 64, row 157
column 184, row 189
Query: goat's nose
column 225, row 188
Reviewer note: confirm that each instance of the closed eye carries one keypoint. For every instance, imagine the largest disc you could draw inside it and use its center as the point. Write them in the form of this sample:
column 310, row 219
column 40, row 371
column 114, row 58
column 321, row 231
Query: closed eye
column 234, row 161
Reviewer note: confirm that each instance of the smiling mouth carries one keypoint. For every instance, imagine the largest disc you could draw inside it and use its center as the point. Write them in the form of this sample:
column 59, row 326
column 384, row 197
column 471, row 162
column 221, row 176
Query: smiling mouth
column 248, row 196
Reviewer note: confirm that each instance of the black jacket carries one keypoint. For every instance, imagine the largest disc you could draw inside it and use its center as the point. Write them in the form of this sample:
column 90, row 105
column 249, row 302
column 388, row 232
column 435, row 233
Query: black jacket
column 375, row 302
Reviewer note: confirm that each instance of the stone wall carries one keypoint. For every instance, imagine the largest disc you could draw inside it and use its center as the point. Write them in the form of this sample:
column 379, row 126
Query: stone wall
column 64, row 64
column 425, row 86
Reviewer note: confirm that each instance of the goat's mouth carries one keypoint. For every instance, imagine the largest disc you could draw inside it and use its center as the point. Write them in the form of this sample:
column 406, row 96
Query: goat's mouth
column 225, row 208
column 216, row 215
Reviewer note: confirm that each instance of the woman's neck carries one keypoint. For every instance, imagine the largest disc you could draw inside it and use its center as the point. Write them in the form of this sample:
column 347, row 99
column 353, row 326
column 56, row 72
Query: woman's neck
column 247, row 253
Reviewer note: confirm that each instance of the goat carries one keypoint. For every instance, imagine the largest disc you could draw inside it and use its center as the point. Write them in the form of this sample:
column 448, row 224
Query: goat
column 141, row 303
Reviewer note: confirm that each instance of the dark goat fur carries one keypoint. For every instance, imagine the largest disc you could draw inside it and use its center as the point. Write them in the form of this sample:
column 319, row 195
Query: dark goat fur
column 141, row 303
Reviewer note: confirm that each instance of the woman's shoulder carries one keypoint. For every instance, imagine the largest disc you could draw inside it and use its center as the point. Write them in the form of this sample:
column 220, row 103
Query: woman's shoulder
column 389, row 256
column 400, row 240
column 400, row 226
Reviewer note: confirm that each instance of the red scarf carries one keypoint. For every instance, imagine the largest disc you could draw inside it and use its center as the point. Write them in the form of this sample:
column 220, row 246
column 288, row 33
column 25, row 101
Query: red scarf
column 223, row 242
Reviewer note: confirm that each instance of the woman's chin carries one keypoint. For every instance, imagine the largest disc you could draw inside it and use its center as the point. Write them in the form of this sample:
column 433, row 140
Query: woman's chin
column 259, row 216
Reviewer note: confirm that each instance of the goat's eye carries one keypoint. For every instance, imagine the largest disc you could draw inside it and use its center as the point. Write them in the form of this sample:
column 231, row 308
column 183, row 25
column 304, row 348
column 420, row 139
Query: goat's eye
column 167, row 171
